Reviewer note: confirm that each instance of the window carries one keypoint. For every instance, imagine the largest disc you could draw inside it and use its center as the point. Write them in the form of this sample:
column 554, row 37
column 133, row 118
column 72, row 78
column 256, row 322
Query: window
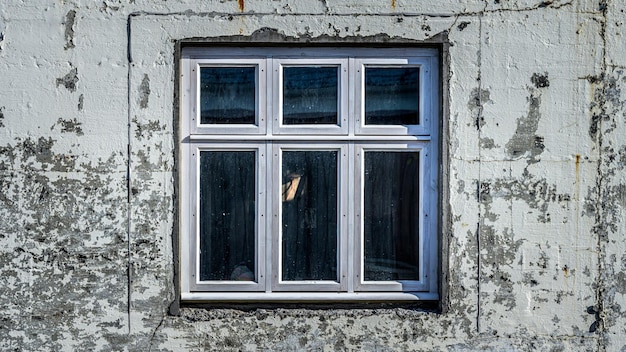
column 309, row 174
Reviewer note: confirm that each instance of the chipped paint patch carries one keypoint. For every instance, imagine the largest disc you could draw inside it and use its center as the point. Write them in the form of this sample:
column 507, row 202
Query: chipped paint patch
column 525, row 142
column 606, row 100
column 535, row 191
column 69, row 242
column 70, row 80
column 461, row 26
column 144, row 92
column 477, row 100
column 2, row 33
column 70, row 18
column 69, row 126
column 145, row 130
column 540, row 80
column 605, row 202
column 487, row 143
column 110, row 7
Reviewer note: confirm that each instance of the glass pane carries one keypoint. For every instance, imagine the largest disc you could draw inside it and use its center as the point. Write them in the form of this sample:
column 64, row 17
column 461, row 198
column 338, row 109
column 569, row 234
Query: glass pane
column 310, row 95
column 227, row 95
column 227, row 215
column 391, row 216
column 309, row 223
column 392, row 96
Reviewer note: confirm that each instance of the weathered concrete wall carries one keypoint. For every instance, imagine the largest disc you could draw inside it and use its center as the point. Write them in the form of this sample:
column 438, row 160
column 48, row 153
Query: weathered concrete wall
column 536, row 258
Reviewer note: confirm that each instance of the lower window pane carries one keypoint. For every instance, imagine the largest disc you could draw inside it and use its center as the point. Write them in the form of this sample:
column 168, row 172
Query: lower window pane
column 391, row 216
column 309, row 215
column 227, row 215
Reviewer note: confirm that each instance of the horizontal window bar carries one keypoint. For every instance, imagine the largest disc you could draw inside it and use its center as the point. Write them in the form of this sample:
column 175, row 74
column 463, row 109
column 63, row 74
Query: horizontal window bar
column 305, row 138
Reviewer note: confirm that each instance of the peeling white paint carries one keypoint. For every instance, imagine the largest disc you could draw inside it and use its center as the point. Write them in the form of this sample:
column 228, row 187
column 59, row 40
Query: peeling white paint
column 535, row 259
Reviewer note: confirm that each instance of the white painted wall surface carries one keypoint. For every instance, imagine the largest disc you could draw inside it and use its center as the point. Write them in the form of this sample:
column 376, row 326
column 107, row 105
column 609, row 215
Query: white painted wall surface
column 537, row 130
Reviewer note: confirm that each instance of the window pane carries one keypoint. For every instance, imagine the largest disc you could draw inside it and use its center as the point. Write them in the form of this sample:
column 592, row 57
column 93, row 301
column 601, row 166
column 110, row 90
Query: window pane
column 391, row 216
column 309, row 219
column 227, row 215
column 310, row 95
column 227, row 95
column 392, row 96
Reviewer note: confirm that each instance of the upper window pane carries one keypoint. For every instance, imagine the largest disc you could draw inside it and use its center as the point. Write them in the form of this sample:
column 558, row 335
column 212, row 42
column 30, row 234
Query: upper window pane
column 391, row 95
column 310, row 95
column 391, row 216
column 227, row 215
column 227, row 95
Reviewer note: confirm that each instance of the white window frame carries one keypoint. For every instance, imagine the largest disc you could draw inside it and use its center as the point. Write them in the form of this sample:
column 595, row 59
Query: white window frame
column 342, row 219
column 427, row 273
column 302, row 129
column 427, row 66
column 259, row 127
column 268, row 136
column 260, row 150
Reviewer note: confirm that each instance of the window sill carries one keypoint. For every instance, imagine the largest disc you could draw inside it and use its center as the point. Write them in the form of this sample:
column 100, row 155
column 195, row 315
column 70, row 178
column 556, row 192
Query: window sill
column 307, row 296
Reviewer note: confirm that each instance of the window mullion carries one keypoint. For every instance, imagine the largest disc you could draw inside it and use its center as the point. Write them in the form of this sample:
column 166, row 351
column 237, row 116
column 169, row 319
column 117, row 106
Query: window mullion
column 269, row 172
column 269, row 216
column 270, row 95
column 350, row 193
column 353, row 99
column 351, row 243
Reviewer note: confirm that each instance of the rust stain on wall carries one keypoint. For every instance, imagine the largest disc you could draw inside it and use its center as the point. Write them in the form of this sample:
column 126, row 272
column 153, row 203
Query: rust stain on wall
column 241, row 5
column 393, row 4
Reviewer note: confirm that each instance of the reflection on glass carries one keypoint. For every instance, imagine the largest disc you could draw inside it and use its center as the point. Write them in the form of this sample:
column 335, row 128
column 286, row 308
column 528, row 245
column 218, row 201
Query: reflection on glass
column 310, row 95
column 309, row 219
column 392, row 96
column 227, row 95
column 391, row 216
column 227, row 215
